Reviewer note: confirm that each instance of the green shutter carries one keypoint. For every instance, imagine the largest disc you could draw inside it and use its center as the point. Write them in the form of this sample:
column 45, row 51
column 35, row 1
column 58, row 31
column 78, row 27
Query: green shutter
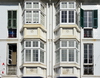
column 82, row 18
column 95, row 19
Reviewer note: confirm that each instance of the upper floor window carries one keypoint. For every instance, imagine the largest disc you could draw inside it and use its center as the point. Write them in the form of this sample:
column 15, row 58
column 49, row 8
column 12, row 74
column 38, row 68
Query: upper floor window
column 88, row 59
column 31, row 44
column 12, row 24
column 67, row 16
column 88, row 33
column 65, row 5
column 32, row 5
column 12, row 19
column 32, row 16
column 89, row 18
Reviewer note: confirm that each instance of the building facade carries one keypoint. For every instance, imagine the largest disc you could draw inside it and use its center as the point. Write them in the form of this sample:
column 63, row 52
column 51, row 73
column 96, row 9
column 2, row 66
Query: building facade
column 49, row 39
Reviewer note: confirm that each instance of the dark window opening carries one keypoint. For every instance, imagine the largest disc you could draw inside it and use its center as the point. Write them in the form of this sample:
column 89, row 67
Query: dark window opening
column 12, row 33
column 88, row 33
column 12, row 59
column 88, row 69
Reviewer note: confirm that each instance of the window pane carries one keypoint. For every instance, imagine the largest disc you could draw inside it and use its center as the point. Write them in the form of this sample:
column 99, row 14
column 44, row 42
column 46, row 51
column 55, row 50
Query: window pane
column 42, row 18
column 76, row 56
column 88, row 69
column 42, row 45
column 35, row 5
column 64, row 55
column 28, row 16
column 64, row 5
column 28, row 5
column 88, row 33
column 35, row 17
column 71, row 43
column 71, row 16
column 42, row 56
column 35, row 43
column 28, row 43
column 88, row 18
column 28, row 55
column 71, row 4
column 64, row 16
column 88, row 53
column 12, row 33
column 57, row 44
column 64, row 43
column 14, row 14
column 57, row 56
column 71, row 54
column 35, row 55
column 9, row 14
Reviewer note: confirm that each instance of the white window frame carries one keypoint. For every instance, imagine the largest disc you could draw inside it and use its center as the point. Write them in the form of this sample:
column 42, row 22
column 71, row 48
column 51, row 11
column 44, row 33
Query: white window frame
column 68, row 5
column 33, row 17
column 68, row 17
column 32, row 4
column 88, row 19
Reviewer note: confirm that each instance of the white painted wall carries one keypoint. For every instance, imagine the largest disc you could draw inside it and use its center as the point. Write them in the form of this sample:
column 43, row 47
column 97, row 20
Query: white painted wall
column 96, row 44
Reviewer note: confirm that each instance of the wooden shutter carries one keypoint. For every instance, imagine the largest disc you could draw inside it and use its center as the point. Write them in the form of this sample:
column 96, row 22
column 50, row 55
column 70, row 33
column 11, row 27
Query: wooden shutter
column 82, row 18
column 95, row 19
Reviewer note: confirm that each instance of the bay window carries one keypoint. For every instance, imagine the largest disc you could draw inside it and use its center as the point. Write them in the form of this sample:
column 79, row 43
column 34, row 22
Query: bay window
column 32, row 17
column 66, row 12
column 34, row 51
column 34, row 13
column 67, row 51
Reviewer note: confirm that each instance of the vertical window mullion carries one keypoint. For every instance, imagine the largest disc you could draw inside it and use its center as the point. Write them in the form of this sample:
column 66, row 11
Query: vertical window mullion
column 32, row 16
column 38, row 55
column 31, row 55
column 67, row 16
column 88, row 52
column 67, row 55
column 39, row 19
column 60, row 55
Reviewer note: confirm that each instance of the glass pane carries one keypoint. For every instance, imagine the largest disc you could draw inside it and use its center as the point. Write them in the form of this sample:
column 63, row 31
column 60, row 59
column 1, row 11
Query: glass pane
column 15, row 14
column 9, row 14
column 64, row 5
column 64, row 17
column 71, row 16
column 35, row 43
column 28, row 55
column 28, row 43
column 64, row 43
column 28, row 5
column 64, row 55
column 35, row 55
column 71, row 43
column 35, row 5
column 28, row 16
column 71, row 54
column 42, row 56
column 35, row 17
column 71, row 4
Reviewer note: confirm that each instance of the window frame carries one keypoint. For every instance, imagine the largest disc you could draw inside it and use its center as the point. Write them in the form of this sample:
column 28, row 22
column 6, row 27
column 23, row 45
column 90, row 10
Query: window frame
column 39, row 17
column 32, row 5
column 67, row 17
column 89, row 64
column 90, row 36
column 12, row 19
